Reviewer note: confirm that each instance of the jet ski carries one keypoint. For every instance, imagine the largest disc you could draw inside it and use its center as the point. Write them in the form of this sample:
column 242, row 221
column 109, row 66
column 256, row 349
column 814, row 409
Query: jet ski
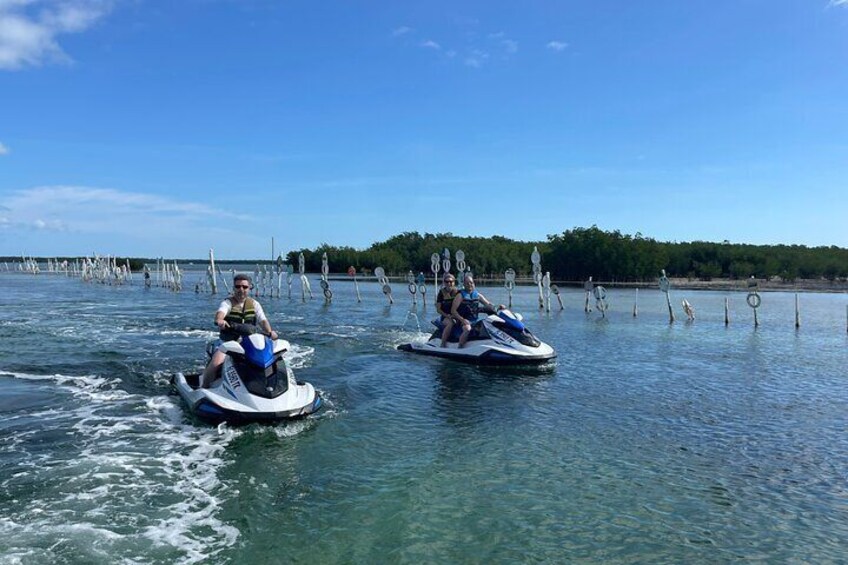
column 254, row 384
column 501, row 338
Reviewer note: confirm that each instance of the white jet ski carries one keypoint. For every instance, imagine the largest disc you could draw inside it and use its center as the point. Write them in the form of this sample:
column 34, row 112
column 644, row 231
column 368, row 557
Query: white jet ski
column 498, row 339
column 254, row 384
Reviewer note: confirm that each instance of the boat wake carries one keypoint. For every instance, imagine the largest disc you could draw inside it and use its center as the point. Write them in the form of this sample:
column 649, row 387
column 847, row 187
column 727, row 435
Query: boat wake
column 96, row 472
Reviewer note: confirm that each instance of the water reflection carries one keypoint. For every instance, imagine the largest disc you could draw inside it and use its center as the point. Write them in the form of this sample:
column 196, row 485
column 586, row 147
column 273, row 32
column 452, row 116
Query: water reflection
column 471, row 395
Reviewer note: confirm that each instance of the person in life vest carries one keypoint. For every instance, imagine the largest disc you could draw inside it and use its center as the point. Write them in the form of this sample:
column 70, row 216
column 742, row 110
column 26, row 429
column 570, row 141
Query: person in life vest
column 237, row 309
column 444, row 304
column 466, row 307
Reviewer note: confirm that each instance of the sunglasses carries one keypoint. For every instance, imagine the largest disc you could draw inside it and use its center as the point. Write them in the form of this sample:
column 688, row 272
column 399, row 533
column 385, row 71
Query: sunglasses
column 244, row 286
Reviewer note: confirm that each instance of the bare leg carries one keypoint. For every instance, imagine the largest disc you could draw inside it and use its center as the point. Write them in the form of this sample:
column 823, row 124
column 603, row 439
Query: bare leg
column 447, row 331
column 464, row 337
column 212, row 368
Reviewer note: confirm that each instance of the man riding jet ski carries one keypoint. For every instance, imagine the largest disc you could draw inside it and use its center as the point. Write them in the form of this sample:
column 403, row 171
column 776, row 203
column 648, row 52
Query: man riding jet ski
column 246, row 378
column 254, row 384
column 499, row 339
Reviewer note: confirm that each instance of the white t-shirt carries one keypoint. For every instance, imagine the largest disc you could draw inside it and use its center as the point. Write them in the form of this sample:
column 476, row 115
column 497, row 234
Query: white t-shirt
column 226, row 306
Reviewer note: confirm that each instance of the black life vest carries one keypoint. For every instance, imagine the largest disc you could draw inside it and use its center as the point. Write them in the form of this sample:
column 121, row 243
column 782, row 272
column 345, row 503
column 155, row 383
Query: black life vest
column 247, row 315
column 445, row 299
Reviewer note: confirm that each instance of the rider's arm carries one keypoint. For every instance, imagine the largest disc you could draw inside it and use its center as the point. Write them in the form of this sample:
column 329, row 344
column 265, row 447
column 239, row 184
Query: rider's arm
column 267, row 327
column 221, row 313
column 262, row 319
column 455, row 310
column 489, row 303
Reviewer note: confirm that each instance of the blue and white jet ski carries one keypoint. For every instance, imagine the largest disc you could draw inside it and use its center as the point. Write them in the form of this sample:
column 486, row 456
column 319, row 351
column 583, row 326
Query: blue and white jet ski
column 254, row 384
column 498, row 339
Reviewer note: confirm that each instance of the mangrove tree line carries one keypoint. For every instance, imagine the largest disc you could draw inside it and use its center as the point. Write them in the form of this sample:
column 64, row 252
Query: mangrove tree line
column 579, row 253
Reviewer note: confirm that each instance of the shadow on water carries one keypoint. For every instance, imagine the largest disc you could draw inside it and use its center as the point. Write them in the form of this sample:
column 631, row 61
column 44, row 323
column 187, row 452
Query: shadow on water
column 472, row 394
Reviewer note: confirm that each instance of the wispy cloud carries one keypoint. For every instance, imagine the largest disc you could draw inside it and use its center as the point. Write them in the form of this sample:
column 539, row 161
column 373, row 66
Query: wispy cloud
column 476, row 58
column 838, row 3
column 477, row 48
column 29, row 28
column 102, row 210
column 509, row 45
column 557, row 45
column 3, row 149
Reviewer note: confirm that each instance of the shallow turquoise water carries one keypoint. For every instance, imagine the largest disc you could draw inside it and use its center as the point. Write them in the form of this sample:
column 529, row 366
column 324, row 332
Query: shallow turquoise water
column 644, row 442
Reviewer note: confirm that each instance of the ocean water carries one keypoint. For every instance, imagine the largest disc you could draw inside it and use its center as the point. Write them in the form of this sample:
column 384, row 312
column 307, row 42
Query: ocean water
column 643, row 442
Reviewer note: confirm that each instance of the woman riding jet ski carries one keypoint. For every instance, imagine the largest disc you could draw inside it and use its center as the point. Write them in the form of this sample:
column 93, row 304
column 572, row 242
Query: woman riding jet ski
column 254, row 384
column 499, row 339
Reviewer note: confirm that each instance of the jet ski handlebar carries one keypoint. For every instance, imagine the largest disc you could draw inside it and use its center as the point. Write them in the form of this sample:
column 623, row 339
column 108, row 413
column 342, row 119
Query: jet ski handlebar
column 247, row 329
column 491, row 308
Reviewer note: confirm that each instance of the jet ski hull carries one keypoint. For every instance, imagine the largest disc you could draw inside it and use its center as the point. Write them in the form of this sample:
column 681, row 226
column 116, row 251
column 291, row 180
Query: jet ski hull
column 212, row 404
column 499, row 339
column 479, row 354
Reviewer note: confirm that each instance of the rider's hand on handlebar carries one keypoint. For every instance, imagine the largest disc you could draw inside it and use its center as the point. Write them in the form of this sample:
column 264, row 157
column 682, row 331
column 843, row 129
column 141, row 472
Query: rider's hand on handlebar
column 222, row 325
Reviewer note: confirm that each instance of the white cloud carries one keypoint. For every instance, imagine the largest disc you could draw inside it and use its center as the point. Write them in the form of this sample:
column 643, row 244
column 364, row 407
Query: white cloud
column 479, row 48
column 509, row 45
column 3, row 149
column 29, row 28
column 557, row 45
column 476, row 58
column 839, row 2
column 104, row 210
column 53, row 225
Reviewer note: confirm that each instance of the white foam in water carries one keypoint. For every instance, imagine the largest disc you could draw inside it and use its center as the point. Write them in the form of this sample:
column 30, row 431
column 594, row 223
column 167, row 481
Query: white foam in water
column 189, row 333
column 291, row 318
column 131, row 480
column 291, row 429
column 347, row 331
column 336, row 334
column 400, row 337
column 299, row 356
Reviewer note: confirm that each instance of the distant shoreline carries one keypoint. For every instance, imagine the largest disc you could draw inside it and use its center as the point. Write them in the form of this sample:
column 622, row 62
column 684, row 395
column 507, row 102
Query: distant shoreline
column 730, row 285
column 677, row 283
column 740, row 285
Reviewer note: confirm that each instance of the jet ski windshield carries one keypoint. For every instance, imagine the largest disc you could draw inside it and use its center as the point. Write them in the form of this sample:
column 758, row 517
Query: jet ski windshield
column 516, row 329
column 511, row 321
column 268, row 382
column 258, row 350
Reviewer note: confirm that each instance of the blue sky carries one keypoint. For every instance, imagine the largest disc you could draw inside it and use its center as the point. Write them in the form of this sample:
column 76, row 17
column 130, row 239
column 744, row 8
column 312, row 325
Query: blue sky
column 167, row 128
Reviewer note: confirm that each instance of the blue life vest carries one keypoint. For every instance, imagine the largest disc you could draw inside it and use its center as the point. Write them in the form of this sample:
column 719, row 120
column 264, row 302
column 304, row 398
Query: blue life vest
column 470, row 307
